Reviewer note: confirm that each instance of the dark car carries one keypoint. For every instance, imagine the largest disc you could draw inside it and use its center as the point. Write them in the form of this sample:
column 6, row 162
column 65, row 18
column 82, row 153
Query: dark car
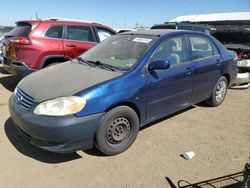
column 120, row 85
column 36, row 44
column 183, row 26
column 235, row 35
column 3, row 31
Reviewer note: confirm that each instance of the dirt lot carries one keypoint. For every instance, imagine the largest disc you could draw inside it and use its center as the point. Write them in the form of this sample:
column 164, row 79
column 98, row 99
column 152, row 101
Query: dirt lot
column 220, row 137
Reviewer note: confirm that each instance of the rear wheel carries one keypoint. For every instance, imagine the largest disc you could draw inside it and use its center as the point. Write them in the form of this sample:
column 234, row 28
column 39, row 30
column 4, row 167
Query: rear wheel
column 117, row 131
column 219, row 92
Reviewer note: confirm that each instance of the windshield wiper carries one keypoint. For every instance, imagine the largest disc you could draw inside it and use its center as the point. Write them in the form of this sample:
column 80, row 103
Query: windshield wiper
column 8, row 36
column 81, row 60
column 103, row 65
column 94, row 63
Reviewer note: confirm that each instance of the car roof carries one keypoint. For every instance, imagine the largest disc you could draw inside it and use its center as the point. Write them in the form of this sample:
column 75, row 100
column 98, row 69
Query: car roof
column 65, row 21
column 28, row 21
column 156, row 32
column 179, row 24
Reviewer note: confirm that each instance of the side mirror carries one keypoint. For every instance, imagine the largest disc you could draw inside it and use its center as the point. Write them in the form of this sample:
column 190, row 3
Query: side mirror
column 159, row 65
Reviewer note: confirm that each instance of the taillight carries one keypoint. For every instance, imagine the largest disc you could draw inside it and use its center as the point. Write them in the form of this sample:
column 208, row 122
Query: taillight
column 20, row 40
column 240, row 56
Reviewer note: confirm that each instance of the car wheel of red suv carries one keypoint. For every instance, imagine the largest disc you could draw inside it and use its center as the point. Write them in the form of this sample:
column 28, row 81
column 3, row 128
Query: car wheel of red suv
column 52, row 64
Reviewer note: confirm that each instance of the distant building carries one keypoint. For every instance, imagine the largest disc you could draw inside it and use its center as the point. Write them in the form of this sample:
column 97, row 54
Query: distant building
column 216, row 17
column 228, row 22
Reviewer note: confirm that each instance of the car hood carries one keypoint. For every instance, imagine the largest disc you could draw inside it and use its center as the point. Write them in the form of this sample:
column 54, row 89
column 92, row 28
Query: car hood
column 64, row 79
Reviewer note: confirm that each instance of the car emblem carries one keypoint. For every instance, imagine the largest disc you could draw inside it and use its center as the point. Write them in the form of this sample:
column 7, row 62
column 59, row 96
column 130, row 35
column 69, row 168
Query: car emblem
column 19, row 99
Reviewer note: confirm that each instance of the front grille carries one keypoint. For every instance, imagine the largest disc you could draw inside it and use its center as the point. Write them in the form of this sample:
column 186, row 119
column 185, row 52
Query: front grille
column 23, row 99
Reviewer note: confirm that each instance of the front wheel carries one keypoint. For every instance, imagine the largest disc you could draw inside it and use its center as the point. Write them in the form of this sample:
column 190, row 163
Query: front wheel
column 117, row 131
column 219, row 92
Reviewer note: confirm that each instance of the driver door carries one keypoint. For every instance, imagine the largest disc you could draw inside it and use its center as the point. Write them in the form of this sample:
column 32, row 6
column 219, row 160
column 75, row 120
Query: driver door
column 169, row 90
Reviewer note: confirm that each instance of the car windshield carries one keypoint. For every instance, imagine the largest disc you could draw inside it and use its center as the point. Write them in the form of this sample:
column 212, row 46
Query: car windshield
column 120, row 52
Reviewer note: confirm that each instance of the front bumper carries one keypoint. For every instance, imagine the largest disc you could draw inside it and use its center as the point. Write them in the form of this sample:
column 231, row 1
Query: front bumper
column 57, row 134
column 244, row 65
column 16, row 67
column 242, row 81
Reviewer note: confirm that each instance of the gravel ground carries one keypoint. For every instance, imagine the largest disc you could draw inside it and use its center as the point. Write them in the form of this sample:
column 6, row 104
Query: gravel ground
column 219, row 136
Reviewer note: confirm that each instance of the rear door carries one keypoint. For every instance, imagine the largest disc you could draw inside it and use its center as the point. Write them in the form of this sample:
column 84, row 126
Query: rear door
column 169, row 90
column 207, row 66
column 53, row 42
column 77, row 40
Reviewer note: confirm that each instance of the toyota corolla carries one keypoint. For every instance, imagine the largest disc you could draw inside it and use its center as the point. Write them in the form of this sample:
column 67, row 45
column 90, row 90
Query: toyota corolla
column 105, row 95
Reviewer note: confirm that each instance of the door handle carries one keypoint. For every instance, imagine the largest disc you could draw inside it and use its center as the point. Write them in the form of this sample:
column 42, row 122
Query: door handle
column 218, row 62
column 189, row 70
column 71, row 45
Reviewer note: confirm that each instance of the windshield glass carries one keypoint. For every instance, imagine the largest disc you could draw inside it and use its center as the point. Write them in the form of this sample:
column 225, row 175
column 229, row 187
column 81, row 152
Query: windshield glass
column 120, row 51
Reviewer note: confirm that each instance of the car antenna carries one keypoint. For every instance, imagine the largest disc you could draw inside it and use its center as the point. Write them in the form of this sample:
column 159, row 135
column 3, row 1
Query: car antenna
column 37, row 16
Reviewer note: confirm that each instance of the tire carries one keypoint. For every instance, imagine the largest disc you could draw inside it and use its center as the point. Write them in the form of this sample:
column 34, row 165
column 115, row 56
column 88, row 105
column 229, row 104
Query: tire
column 117, row 130
column 219, row 93
column 52, row 64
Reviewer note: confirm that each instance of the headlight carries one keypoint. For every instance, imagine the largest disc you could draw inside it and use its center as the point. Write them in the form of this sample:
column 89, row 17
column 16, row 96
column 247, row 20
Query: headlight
column 61, row 106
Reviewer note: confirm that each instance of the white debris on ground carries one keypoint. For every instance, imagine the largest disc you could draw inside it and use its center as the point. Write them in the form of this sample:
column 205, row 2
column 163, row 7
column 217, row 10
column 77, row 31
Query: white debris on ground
column 188, row 155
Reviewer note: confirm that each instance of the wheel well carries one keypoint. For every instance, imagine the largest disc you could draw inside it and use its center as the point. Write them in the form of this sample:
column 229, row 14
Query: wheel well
column 129, row 104
column 53, row 60
column 227, row 76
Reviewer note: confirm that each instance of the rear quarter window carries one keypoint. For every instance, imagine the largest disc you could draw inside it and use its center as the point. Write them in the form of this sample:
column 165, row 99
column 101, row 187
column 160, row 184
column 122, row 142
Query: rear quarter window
column 54, row 32
column 104, row 33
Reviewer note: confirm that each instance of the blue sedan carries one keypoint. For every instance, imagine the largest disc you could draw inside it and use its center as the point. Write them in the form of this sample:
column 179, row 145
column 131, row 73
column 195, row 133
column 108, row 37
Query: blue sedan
column 105, row 95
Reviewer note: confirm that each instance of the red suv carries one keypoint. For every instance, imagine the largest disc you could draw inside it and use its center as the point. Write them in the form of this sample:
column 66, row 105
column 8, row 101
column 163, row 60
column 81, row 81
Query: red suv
column 35, row 44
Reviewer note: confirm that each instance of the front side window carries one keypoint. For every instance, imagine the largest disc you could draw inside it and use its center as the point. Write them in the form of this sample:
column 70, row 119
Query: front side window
column 54, row 32
column 103, row 33
column 120, row 51
column 80, row 33
column 201, row 47
column 174, row 50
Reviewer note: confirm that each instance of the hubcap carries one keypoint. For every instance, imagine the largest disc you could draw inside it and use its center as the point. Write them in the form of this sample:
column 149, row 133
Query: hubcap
column 220, row 91
column 118, row 130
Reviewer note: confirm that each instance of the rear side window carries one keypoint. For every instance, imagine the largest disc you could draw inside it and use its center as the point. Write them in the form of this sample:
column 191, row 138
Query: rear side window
column 21, row 30
column 80, row 33
column 54, row 32
column 201, row 47
column 103, row 33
